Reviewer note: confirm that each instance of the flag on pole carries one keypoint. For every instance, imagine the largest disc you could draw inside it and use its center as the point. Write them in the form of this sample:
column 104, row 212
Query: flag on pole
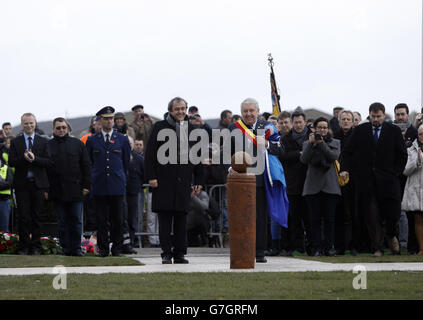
column 275, row 184
column 276, row 109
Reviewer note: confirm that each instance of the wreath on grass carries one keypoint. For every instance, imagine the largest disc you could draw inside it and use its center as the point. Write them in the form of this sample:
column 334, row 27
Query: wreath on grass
column 9, row 244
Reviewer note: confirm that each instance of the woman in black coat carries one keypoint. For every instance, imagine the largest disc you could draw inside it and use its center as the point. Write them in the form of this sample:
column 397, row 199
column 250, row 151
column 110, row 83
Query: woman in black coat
column 172, row 178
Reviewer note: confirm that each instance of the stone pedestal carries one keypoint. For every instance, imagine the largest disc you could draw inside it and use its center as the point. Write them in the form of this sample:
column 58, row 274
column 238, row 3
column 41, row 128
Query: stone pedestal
column 241, row 194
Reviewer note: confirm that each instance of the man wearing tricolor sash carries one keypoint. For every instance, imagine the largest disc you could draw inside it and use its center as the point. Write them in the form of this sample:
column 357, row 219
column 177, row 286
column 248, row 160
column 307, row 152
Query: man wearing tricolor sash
column 254, row 142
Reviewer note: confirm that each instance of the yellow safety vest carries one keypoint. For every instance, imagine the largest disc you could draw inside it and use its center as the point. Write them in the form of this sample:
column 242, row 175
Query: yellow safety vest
column 6, row 157
column 3, row 174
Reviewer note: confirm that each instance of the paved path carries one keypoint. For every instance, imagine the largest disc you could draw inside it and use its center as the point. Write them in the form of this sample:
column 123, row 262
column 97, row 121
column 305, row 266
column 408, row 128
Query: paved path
column 218, row 261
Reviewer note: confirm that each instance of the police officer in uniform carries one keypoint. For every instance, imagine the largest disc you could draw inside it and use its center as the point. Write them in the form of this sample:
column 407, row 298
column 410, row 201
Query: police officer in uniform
column 109, row 152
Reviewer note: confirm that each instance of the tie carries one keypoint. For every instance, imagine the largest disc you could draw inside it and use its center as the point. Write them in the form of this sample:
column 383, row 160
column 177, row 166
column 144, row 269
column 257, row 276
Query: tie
column 375, row 135
column 30, row 143
column 107, row 138
column 30, row 174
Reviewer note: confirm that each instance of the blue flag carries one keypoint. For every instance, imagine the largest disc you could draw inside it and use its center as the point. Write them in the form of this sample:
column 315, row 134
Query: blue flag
column 274, row 177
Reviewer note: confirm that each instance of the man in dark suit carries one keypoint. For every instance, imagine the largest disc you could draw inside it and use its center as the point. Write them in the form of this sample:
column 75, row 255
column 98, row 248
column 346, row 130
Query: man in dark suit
column 30, row 157
column 109, row 152
column 376, row 155
column 249, row 113
column 170, row 175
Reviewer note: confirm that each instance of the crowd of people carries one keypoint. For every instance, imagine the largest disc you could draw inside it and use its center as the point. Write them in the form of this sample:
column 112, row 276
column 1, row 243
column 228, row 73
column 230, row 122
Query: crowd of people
column 353, row 185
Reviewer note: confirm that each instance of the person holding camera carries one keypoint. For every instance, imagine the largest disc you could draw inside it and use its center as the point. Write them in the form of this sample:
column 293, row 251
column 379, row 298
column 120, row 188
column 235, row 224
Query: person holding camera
column 5, row 131
column 142, row 124
column 198, row 123
column 321, row 188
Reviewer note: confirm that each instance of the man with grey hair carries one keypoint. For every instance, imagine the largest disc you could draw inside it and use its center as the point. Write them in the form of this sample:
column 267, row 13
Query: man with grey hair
column 247, row 125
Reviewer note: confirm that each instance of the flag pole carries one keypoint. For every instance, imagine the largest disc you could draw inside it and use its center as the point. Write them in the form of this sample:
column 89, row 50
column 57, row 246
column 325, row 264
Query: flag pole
column 276, row 109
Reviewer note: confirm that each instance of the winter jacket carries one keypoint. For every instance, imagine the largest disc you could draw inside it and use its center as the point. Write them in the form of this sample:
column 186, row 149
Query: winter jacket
column 321, row 177
column 413, row 192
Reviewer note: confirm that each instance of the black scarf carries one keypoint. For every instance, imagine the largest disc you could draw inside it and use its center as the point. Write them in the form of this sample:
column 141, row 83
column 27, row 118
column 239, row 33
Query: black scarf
column 61, row 139
column 300, row 137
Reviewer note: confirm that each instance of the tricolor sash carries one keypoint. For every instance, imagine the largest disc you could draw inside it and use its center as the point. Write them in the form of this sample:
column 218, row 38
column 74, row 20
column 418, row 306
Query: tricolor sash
column 246, row 132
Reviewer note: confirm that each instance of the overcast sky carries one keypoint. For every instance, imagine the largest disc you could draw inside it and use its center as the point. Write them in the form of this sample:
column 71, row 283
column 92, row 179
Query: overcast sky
column 70, row 58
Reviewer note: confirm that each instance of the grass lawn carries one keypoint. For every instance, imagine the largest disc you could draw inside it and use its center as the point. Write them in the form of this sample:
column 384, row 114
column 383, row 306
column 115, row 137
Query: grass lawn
column 216, row 286
column 17, row 261
column 363, row 258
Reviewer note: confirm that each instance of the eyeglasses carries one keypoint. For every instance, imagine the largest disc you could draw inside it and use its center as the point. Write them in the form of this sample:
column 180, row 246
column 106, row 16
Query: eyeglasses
column 61, row 128
column 322, row 128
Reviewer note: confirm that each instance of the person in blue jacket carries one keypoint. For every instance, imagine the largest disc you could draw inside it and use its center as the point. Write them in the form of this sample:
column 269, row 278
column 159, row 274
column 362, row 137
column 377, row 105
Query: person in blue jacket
column 109, row 152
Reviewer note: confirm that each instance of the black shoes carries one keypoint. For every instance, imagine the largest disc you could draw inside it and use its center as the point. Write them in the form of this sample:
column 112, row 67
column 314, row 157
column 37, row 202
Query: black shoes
column 102, row 254
column 166, row 260
column 353, row 252
column 273, row 252
column 176, row 260
column 261, row 260
column 129, row 250
column 26, row 252
column 288, row 253
column 331, row 253
column 23, row 252
column 180, row 260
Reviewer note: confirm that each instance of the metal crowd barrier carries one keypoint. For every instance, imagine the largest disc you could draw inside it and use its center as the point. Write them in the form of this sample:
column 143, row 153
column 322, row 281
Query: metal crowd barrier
column 217, row 226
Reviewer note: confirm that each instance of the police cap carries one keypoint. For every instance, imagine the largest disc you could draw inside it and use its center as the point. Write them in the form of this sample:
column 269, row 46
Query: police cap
column 119, row 115
column 138, row 106
column 106, row 112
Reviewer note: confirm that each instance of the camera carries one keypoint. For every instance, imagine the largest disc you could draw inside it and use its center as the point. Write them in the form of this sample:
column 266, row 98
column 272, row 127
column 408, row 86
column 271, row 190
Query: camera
column 318, row 136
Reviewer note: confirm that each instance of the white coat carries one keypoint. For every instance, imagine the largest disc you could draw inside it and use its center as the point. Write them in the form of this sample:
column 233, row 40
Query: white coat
column 413, row 192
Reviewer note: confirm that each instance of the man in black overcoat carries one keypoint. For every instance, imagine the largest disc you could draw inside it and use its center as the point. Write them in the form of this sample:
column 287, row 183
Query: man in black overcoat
column 377, row 156
column 70, row 181
column 169, row 171
column 295, row 174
